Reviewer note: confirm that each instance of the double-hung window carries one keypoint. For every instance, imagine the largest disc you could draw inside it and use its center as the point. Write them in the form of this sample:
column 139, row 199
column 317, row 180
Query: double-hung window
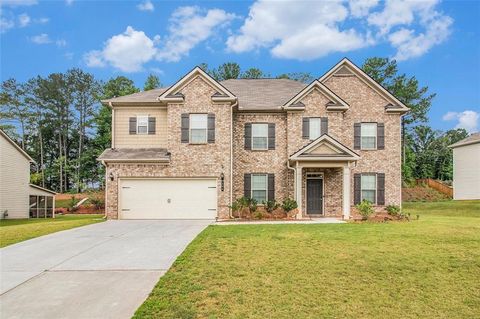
column 369, row 187
column 314, row 128
column 259, row 136
column 198, row 128
column 259, row 187
column 368, row 136
column 142, row 124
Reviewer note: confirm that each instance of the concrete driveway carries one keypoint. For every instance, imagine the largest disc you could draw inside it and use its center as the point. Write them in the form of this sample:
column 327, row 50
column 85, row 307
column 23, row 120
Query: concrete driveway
column 104, row 270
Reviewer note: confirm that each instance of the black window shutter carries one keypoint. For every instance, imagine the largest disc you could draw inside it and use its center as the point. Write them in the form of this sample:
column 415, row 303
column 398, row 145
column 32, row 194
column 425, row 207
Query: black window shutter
column 185, row 127
column 271, row 136
column 357, row 180
column 380, row 189
column 323, row 125
column 247, row 185
column 306, row 128
column 151, row 125
column 357, row 129
column 132, row 125
column 211, row 128
column 271, row 186
column 380, row 136
column 248, row 136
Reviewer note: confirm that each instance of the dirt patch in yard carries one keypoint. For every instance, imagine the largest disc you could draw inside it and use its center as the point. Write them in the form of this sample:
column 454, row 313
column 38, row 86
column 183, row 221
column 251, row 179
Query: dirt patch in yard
column 422, row 194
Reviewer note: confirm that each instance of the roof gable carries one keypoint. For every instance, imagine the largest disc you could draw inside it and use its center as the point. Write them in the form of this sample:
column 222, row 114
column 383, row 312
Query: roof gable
column 335, row 103
column 325, row 148
column 18, row 148
column 347, row 68
column 173, row 94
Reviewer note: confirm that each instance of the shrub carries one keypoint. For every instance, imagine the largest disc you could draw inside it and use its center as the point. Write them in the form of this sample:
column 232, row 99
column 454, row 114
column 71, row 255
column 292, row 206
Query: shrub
column 97, row 201
column 252, row 205
column 365, row 209
column 258, row 215
column 289, row 204
column 71, row 204
column 393, row 210
column 271, row 205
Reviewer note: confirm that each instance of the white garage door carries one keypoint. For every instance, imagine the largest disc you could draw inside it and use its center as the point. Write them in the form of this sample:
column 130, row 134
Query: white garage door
column 168, row 199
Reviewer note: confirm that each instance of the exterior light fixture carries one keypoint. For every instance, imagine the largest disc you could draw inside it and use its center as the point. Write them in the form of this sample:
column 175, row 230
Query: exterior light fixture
column 111, row 176
column 222, row 182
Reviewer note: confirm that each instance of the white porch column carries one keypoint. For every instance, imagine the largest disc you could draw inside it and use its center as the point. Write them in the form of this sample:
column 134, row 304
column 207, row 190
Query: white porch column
column 298, row 191
column 346, row 192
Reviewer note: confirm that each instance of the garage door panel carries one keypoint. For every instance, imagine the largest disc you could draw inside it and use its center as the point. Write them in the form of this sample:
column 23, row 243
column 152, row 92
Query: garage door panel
column 168, row 199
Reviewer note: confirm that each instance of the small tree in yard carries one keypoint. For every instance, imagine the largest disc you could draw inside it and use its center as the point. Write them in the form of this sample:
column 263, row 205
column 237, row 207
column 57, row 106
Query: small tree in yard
column 365, row 209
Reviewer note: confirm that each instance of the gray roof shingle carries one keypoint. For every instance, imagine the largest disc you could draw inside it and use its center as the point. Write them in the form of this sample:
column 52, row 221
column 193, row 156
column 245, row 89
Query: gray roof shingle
column 148, row 154
column 263, row 94
column 252, row 94
column 472, row 139
column 144, row 96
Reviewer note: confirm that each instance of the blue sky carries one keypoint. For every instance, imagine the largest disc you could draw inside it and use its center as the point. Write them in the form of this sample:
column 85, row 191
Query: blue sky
column 438, row 42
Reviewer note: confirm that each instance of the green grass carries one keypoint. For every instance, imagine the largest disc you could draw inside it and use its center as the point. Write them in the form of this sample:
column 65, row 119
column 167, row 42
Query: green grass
column 428, row 268
column 16, row 230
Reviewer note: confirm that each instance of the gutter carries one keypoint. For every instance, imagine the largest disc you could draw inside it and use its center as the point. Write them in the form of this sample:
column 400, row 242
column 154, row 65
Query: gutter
column 110, row 104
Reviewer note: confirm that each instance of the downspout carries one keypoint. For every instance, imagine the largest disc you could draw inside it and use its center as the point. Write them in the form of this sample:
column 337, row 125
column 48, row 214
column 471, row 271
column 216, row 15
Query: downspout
column 231, row 156
column 288, row 163
column 105, row 213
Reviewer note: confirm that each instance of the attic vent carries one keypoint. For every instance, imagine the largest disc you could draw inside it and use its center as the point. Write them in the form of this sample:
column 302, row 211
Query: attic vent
column 218, row 94
column 343, row 71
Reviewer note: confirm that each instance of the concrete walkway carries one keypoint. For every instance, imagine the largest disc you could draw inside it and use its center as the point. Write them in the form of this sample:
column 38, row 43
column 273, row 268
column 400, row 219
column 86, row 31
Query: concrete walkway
column 104, row 270
column 325, row 220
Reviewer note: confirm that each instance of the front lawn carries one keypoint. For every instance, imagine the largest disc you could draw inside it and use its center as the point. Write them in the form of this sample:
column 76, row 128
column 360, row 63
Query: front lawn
column 428, row 268
column 16, row 230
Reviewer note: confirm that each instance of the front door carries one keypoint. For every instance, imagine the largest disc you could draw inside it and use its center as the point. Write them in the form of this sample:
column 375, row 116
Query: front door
column 315, row 196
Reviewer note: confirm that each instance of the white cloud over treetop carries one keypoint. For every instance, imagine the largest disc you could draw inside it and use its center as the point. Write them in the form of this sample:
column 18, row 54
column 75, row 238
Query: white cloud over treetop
column 306, row 30
column 467, row 119
column 188, row 26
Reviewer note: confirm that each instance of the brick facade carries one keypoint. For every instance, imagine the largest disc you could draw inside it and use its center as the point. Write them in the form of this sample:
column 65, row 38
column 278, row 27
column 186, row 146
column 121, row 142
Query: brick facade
column 211, row 160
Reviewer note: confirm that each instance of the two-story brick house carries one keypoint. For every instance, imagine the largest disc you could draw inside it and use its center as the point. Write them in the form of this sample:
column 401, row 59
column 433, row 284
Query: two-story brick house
column 189, row 150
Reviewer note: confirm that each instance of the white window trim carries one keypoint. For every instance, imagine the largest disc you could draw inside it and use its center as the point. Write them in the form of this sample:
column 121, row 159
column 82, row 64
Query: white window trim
column 310, row 127
column 190, row 128
column 361, row 190
column 138, row 117
column 376, row 137
column 255, row 148
column 266, row 186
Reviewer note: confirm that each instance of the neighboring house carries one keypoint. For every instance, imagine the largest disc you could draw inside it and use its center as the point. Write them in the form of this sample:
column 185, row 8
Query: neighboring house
column 466, row 168
column 189, row 150
column 18, row 198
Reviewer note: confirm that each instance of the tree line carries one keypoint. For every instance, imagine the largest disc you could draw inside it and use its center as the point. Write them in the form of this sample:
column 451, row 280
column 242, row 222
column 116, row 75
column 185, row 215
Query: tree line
column 59, row 121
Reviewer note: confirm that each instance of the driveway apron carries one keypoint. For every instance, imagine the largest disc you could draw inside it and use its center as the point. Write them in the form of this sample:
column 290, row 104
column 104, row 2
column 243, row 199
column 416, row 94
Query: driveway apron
column 103, row 270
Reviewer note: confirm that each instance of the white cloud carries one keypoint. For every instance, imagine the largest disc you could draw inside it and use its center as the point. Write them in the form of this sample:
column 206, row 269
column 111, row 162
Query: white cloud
column 61, row 42
column 41, row 39
column 127, row 51
column 146, row 5
column 467, row 119
column 94, row 59
column 42, row 20
column 298, row 30
column 361, row 8
column 411, row 45
column 6, row 24
column 188, row 27
column 24, row 20
column 17, row 3
column 308, row 30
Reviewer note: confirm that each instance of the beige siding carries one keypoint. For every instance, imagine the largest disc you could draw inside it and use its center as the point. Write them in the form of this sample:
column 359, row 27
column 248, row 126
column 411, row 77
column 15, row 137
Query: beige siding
column 14, row 181
column 123, row 139
column 466, row 172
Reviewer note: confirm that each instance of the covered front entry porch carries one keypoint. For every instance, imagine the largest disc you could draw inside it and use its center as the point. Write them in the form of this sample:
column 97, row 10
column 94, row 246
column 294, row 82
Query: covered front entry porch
column 323, row 178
